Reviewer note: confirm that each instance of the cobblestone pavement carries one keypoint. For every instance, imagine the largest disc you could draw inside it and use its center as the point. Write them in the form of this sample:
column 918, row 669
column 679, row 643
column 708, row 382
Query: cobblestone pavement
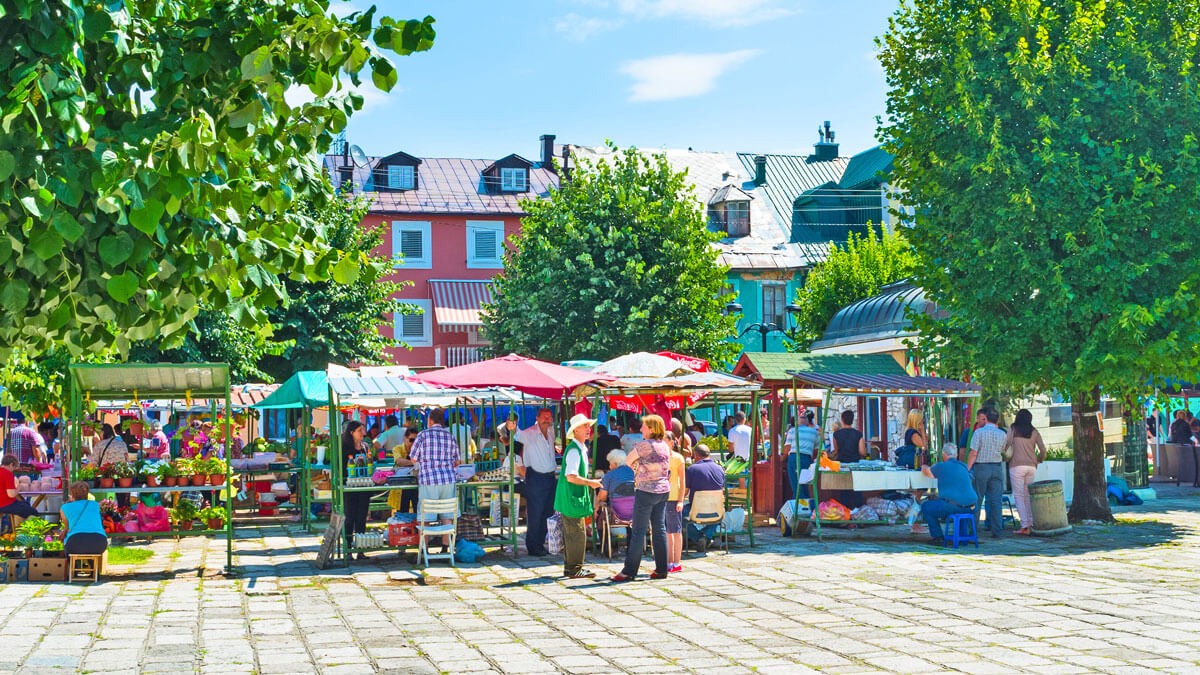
column 1120, row 598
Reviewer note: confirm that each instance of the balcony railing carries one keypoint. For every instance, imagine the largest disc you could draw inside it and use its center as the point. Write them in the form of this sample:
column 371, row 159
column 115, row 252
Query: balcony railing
column 461, row 356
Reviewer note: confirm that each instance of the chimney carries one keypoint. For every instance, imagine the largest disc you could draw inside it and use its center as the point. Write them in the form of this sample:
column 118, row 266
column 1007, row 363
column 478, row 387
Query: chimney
column 760, row 170
column 547, row 151
column 825, row 149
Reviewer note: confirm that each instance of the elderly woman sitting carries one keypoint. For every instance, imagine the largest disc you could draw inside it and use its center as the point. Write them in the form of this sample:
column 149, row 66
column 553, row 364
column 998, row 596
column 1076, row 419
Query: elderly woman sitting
column 82, row 524
column 618, row 474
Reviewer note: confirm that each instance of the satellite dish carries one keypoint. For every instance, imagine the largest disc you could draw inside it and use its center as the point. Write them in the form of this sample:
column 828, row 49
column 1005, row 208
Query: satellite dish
column 360, row 157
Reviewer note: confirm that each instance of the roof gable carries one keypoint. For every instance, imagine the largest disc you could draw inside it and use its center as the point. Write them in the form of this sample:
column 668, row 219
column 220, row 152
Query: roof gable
column 513, row 161
column 774, row 366
column 398, row 158
column 865, row 167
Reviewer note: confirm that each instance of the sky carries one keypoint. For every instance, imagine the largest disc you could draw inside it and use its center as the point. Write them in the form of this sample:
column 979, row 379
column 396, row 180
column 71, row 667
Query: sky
column 714, row 75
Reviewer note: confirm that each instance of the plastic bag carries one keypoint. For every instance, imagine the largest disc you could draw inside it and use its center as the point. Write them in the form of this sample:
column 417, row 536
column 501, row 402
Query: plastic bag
column 153, row 519
column 554, row 534
column 832, row 509
column 467, row 551
column 735, row 520
column 864, row 513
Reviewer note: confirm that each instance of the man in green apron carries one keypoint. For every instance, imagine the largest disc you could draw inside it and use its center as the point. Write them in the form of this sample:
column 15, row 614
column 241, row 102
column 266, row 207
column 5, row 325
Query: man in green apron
column 573, row 497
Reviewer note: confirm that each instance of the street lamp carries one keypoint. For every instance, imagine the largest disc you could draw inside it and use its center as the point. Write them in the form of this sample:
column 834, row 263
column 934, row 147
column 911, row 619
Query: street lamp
column 765, row 329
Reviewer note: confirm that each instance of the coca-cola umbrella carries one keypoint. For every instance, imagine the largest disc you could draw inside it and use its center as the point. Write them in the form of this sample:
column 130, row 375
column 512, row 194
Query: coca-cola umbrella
column 531, row 376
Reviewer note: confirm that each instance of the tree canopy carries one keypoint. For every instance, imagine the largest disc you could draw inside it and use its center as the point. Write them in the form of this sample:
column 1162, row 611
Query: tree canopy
column 853, row 271
column 1049, row 149
column 617, row 260
column 150, row 162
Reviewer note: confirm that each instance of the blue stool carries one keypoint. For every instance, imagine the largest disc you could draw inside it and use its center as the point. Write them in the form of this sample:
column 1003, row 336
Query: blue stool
column 954, row 530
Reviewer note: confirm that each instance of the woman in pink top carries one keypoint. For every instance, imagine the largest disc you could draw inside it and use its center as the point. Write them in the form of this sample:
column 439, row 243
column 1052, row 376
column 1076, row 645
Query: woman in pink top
column 1024, row 445
column 650, row 460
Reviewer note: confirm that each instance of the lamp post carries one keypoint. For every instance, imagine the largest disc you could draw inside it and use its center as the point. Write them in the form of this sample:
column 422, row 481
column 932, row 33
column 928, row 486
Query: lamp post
column 765, row 329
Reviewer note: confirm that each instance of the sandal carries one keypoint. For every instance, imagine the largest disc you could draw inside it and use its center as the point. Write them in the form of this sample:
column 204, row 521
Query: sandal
column 1024, row 531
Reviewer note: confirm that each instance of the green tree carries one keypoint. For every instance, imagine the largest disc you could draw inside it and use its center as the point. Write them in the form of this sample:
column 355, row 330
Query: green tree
column 149, row 161
column 326, row 322
column 853, row 271
column 617, row 260
column 1051, row 151
column 214, row 337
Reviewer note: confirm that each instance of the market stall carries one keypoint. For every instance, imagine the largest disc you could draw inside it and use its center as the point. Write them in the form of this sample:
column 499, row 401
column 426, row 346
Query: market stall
column 209, row 476
column 871, row 475
column 302, row 393
column 667, row 383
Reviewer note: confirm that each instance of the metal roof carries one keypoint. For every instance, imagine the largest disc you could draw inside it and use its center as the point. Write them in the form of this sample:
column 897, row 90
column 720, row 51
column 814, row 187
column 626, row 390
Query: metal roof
column 789, row 176
column 394, row 391
column 674, row 385
column 865, row 167
column 878, row 317
column 151, row 380
column 776, row 366
column 457, row 303
column 446, row 185
column 895, row 385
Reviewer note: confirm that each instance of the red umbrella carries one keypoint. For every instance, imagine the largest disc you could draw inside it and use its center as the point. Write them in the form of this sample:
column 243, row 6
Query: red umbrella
column 536, row 378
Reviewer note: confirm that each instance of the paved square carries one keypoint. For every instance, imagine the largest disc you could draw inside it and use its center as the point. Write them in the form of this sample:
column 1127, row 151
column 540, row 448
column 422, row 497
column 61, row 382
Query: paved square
column 1120, row 599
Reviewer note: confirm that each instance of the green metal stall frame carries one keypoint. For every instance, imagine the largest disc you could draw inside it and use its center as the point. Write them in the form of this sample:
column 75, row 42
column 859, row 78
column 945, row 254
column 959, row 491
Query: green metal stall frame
column 133, row 381
column 306, row 391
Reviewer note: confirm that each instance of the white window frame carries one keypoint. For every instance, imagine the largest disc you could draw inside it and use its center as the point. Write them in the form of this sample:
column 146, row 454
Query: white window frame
column 426, row 307
column 424, row 227
column 401, row 179
column 509, row 176
column 782, row 318
column 474, row 262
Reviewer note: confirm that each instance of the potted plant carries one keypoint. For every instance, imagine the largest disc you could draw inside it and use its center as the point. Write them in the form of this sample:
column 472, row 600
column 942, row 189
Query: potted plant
column 149, row 476
column 53, row 549
column 106, row 474
column 213, row 517
column 124, row 474
column 31, row 534
column 199, row 471
column 183, row 514
column 167, row 474
column 87, row 474
column 216, row 471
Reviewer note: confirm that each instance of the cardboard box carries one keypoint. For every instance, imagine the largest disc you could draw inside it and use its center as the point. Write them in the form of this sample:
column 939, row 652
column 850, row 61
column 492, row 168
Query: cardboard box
column 16, row 570
column 48, row 569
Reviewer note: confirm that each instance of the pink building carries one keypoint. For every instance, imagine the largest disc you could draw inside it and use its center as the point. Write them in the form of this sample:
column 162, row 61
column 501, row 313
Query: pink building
column 447, row 223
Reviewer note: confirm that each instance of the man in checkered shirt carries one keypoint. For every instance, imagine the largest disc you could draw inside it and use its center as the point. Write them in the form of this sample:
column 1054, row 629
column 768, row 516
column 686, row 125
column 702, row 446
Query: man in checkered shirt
column 987, row 470
column 26, row 444
column 436, row 453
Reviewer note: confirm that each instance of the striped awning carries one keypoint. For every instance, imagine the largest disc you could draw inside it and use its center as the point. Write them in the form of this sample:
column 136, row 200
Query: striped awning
column 457, row 303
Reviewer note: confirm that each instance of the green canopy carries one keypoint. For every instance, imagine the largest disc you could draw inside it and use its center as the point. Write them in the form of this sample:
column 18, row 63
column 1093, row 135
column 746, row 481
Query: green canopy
column 305, row 389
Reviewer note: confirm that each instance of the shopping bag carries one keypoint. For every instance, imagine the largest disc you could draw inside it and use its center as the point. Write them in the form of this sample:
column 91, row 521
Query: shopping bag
column 735, row 520
column 832, row 509
column 554, row 534
column 152, row 519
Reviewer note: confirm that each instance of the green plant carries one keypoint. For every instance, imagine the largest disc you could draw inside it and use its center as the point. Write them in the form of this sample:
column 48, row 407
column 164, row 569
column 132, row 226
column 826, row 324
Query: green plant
column 167, row 470
column 184, row 512
column 185, row 466
column 1060, row 453
column 122, row 470
column 607, row 264
column 1057, row 237
column 52, row 546
column 212, row 513
column 87, row 473
column 216, row 465
column 33, row 532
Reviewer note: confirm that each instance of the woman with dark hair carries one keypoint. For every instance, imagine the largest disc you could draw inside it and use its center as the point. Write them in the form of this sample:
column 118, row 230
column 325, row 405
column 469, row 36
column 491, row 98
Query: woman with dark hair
column 1024, row 450
column 111, row 450
column 356, row 504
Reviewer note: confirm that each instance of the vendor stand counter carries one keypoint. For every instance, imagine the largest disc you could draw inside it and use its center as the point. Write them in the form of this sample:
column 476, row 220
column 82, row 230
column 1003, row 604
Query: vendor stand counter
column 41, row 497
column 822, row 386
column 133, row 382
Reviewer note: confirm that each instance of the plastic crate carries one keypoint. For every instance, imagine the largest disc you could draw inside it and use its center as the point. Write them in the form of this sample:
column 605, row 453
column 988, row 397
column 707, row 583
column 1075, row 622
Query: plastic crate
column 402, row 534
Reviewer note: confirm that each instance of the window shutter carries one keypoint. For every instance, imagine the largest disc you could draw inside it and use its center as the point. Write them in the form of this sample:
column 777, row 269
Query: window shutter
column 486, row 245
column 412, row 326
column 411, row 245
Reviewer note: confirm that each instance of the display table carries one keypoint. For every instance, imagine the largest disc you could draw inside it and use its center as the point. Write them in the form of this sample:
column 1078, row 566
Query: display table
column 872, row 481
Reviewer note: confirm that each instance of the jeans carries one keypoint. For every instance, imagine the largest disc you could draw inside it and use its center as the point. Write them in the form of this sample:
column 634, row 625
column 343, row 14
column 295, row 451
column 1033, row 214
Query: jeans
column 797, row 462
column 574, row 545
column 1021, row 477
column 649, row 510
column 539, row 505
column 19, row 507
column 934, row 511
column 695, row 531
column 989, row 485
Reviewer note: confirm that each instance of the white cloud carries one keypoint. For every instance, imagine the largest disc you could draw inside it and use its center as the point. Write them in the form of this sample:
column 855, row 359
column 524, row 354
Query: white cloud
column 673, row 76
column 717, row 12
column 580, row 28
column 299, row 95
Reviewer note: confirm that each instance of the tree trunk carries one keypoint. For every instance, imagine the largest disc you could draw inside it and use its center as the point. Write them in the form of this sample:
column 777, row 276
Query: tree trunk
column 1091, row 490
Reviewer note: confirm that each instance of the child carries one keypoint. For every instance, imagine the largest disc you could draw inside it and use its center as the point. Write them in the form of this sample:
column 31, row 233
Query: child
column 674, row 510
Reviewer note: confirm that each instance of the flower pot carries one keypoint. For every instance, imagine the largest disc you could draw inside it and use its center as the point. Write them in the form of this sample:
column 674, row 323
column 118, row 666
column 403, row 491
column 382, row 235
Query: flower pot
column 216, row 479
column 169, row 481
column 124, row 482
column 151, row 481
column 216, row 524
column 197, row 481
column 106, row 482
column 185, row 526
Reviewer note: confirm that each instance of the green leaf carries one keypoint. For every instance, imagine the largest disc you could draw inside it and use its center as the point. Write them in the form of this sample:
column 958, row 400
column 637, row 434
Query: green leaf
column 322, row 83
column 7, row 164
column 47, row 244
column 14, row 295
column 66, row 225
column 123, row 286
column 256, row 64
column 96, row 23
column 383, row 74
column 148, row 217
column 345, row 271
column 245, row 115
column 115, row 250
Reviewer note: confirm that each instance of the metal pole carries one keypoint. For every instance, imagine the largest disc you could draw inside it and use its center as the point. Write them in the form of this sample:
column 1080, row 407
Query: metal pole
column 228, row 483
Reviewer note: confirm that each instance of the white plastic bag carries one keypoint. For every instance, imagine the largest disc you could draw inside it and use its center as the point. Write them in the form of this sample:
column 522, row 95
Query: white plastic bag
column 735, row 520
column 554, row 534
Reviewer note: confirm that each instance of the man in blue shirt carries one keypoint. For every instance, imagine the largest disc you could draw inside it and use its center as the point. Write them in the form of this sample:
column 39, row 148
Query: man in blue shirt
column 956, row 494
column 704, row 474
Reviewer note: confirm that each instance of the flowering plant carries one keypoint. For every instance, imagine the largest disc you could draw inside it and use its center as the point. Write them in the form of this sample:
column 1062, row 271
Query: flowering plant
column 107, row 470
column 121, row 470
column 87, row 473
column 108, row 507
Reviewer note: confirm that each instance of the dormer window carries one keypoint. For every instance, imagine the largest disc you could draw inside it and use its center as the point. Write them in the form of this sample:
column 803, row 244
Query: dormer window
column 729, row 211
column 514, row 179
column 402, row 177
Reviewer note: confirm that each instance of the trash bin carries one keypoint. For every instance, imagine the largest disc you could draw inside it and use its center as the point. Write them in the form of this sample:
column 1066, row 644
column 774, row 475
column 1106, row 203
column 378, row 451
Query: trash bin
column 1049, row 508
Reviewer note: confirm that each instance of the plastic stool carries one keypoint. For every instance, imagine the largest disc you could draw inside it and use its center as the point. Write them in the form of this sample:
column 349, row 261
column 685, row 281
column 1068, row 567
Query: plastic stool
column 954, row 534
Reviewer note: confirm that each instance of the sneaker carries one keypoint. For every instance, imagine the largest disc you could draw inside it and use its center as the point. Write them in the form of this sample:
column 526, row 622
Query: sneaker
column 581, row 574
column 674, row 567
column 702, row 545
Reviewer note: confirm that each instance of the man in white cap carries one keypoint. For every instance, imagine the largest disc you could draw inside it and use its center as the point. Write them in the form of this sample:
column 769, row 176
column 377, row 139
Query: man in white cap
column 573, row 497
